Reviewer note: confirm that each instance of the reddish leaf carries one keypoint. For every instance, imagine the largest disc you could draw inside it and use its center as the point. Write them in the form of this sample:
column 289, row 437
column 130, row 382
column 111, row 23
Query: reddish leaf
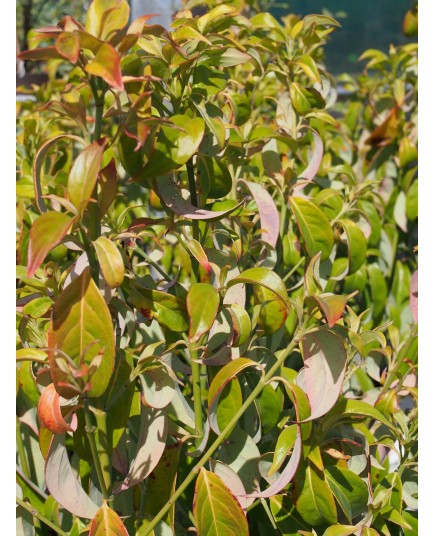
column 267, row 212
column 107, row 523
column 108, row 181
column 46, row 232
column 50, row 414
column 332, row 306
column 68, row 45
column 414, row 295
column 45, row 53
column 107, row 65
column 325, row 360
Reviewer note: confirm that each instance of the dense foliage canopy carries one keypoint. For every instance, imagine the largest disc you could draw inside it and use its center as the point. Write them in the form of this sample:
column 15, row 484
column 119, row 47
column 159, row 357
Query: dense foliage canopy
column 217, row 280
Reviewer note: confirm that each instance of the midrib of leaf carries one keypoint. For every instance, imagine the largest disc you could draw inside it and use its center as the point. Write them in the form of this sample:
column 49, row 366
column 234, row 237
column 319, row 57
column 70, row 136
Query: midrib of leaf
column 301, row 218
column 309, row 476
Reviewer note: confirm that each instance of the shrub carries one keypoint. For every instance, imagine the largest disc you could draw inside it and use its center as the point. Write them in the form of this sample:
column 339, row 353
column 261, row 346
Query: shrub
column 217, row 285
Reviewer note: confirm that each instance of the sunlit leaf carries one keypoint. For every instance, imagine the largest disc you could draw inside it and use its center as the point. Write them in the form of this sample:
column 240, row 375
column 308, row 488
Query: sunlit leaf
column 202, row 305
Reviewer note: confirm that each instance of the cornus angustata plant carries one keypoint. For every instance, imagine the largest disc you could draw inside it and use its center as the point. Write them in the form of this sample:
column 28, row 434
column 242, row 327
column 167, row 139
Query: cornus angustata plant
column 217, row 285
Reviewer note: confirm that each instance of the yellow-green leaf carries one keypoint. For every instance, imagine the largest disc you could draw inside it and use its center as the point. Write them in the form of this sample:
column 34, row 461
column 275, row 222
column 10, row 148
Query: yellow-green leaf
column 110, row 261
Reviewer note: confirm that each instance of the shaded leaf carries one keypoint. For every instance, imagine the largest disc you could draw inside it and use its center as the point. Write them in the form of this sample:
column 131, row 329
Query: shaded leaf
column 349, row 489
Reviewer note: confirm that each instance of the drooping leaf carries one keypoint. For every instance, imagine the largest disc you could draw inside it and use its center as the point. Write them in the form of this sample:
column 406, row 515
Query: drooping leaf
column 285, row 443
column 46, row 232
column 171, row 195
column 63, row 484
column 268, row 212
column 107, row 65
column 108, row 182
column 107, row 523
column 158, row 387
column 314, row 163
column 83, row 175
column 314, row 227
column 82, row 328
column 110, row 260
column 216, row 511
column 241, row 324
column 151, row 445
column 325, row 358
column 202, row 305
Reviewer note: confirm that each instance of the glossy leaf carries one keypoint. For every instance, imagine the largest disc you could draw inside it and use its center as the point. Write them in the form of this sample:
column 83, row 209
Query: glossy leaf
column 349, row 489
column 333, row 307
column 356, row 243
column 285, row 443
column 62, row 481
column 81, row 327
column 106, row 17
column 215, row 509
column 110, row 261
column 83, row 175
column 315, row 502
column 314, row 227
column 175, row 145
column 46, row 232
column 202, row 305
column 50, row 414
column 241, row 324
column 325, row 362
column 107, row 65
column 107, row 522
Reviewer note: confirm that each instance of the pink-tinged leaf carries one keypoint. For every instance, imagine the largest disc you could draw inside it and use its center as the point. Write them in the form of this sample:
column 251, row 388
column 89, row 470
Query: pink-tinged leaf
column 84, row 173
column 199, row 254
column 268, row 212
column 290, row 469
column 172, row 197
column 50, row 414
column 108, row 182
column 68, row 45
column 151, row 445
column 39, row 162
column 314, row 163
column 414, row 295
column 107, row 65
column 45, row 53
column 63, row 484
column 107, row 523
column 136, row 27
column 46, row 232
column 232, row 481
column 332, row 305
column 325, row 361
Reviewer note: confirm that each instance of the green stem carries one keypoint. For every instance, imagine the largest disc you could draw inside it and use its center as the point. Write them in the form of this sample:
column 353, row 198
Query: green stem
column 40, row 516
column 194, row 201
column 225, row 433
column 197, row 396
column 90, row 432
column 21, row 451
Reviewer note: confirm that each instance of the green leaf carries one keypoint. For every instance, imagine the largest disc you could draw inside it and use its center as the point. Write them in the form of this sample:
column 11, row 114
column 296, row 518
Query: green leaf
column 203, row 302
column 307, row 63
column 240, row 323
column 357, row 245
column 46, row 232
column 314, row 227
column 270, row 403
column 106, row 17
column 175, row 145
column 411, row 208
column 38, row 307
column 341, row 530
column 107, row 523
column 286, row 516
column 82, row 328
column 349, row 489
column 230, row 401
column 169, row 310
column 315, row 501
column 216, row 511
column 110, row 261
column 62, row 481
column 83, row 175
column 285, row 443
column 325, row 359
